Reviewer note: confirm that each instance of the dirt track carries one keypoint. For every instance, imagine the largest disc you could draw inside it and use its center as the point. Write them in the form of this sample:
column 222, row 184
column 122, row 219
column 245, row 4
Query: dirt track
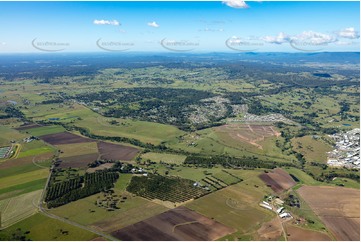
column 338, row 208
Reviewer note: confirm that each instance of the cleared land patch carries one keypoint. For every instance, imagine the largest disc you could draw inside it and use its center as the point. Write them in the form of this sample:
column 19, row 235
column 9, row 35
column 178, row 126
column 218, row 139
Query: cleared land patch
column 295, row 233
column 278, row 180
column 337, row 207
column 176, row 224
column 77, row 149
column 251, row 134
column 78, row 161
column 64, row 138
column 110, row 151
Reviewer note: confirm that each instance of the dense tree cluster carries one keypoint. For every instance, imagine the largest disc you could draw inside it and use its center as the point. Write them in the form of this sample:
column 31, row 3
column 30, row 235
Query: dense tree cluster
column 60, row 193
column 173, row 189
column 228, row 162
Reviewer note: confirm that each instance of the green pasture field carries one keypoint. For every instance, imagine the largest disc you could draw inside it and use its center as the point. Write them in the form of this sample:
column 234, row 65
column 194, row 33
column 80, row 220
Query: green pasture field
column 21, row 169
column 210, row 142
column 168, row 158
column 45, row 130
column 38, row 223
column 313, row 149
column 23, row 178
column 237, row 205
column 122, row 182
column 16, row 190
column 8, row 134
column 84, row 211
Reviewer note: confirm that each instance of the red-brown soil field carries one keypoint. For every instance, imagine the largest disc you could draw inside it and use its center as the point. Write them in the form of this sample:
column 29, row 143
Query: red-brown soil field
column 176, row 224
column 110, row 151
column 271, row 230
column 299, row 234
column 337, row 207
column 278, row 180
column 64, row 138
column 78, row 161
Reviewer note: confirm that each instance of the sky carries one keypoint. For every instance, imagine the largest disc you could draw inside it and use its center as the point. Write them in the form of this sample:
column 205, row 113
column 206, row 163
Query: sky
column 221, row 26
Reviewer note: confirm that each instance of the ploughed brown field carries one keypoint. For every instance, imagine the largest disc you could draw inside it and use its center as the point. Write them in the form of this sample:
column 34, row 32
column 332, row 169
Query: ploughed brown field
column 64, row 138
column 278, row 180
column 295, row 233
column 337, row 207
column 28, row 126
column 177, row 224
column 110, row 151
column 78, row 161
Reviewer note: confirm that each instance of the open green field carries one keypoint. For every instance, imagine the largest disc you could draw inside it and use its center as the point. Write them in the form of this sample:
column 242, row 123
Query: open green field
column 122, row 182
column 17, row 208
column 39, row 227
column 16, row 190
column 85, row 212
column 45, row 130
column 168, row 158
column 23, row 178
column 8, row 134
column 144, row 131
column 211, row 142
column 312, row 149
column 35, row 147
column 237, row 205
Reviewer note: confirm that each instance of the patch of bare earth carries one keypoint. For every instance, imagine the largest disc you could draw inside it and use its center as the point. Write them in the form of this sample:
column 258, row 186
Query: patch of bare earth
column 251, row 134
column 299, row 234
column 337, row 207
column 176, row 224
column 25, row 160
column 64, row 138
column 110, row 151
column 78, row 161
column 271, row 230
column 278, row 179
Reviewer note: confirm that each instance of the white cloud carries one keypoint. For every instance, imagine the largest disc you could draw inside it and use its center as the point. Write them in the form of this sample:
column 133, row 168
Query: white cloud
column 349, row 33
column 235, row 3
column 279, row 39
column 314, row 38
column 305, row 38
column 106, row 22
column 153, row 24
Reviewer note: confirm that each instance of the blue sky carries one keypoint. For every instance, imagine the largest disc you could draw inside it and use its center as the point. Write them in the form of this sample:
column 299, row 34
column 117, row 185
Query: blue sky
column 229, row 26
